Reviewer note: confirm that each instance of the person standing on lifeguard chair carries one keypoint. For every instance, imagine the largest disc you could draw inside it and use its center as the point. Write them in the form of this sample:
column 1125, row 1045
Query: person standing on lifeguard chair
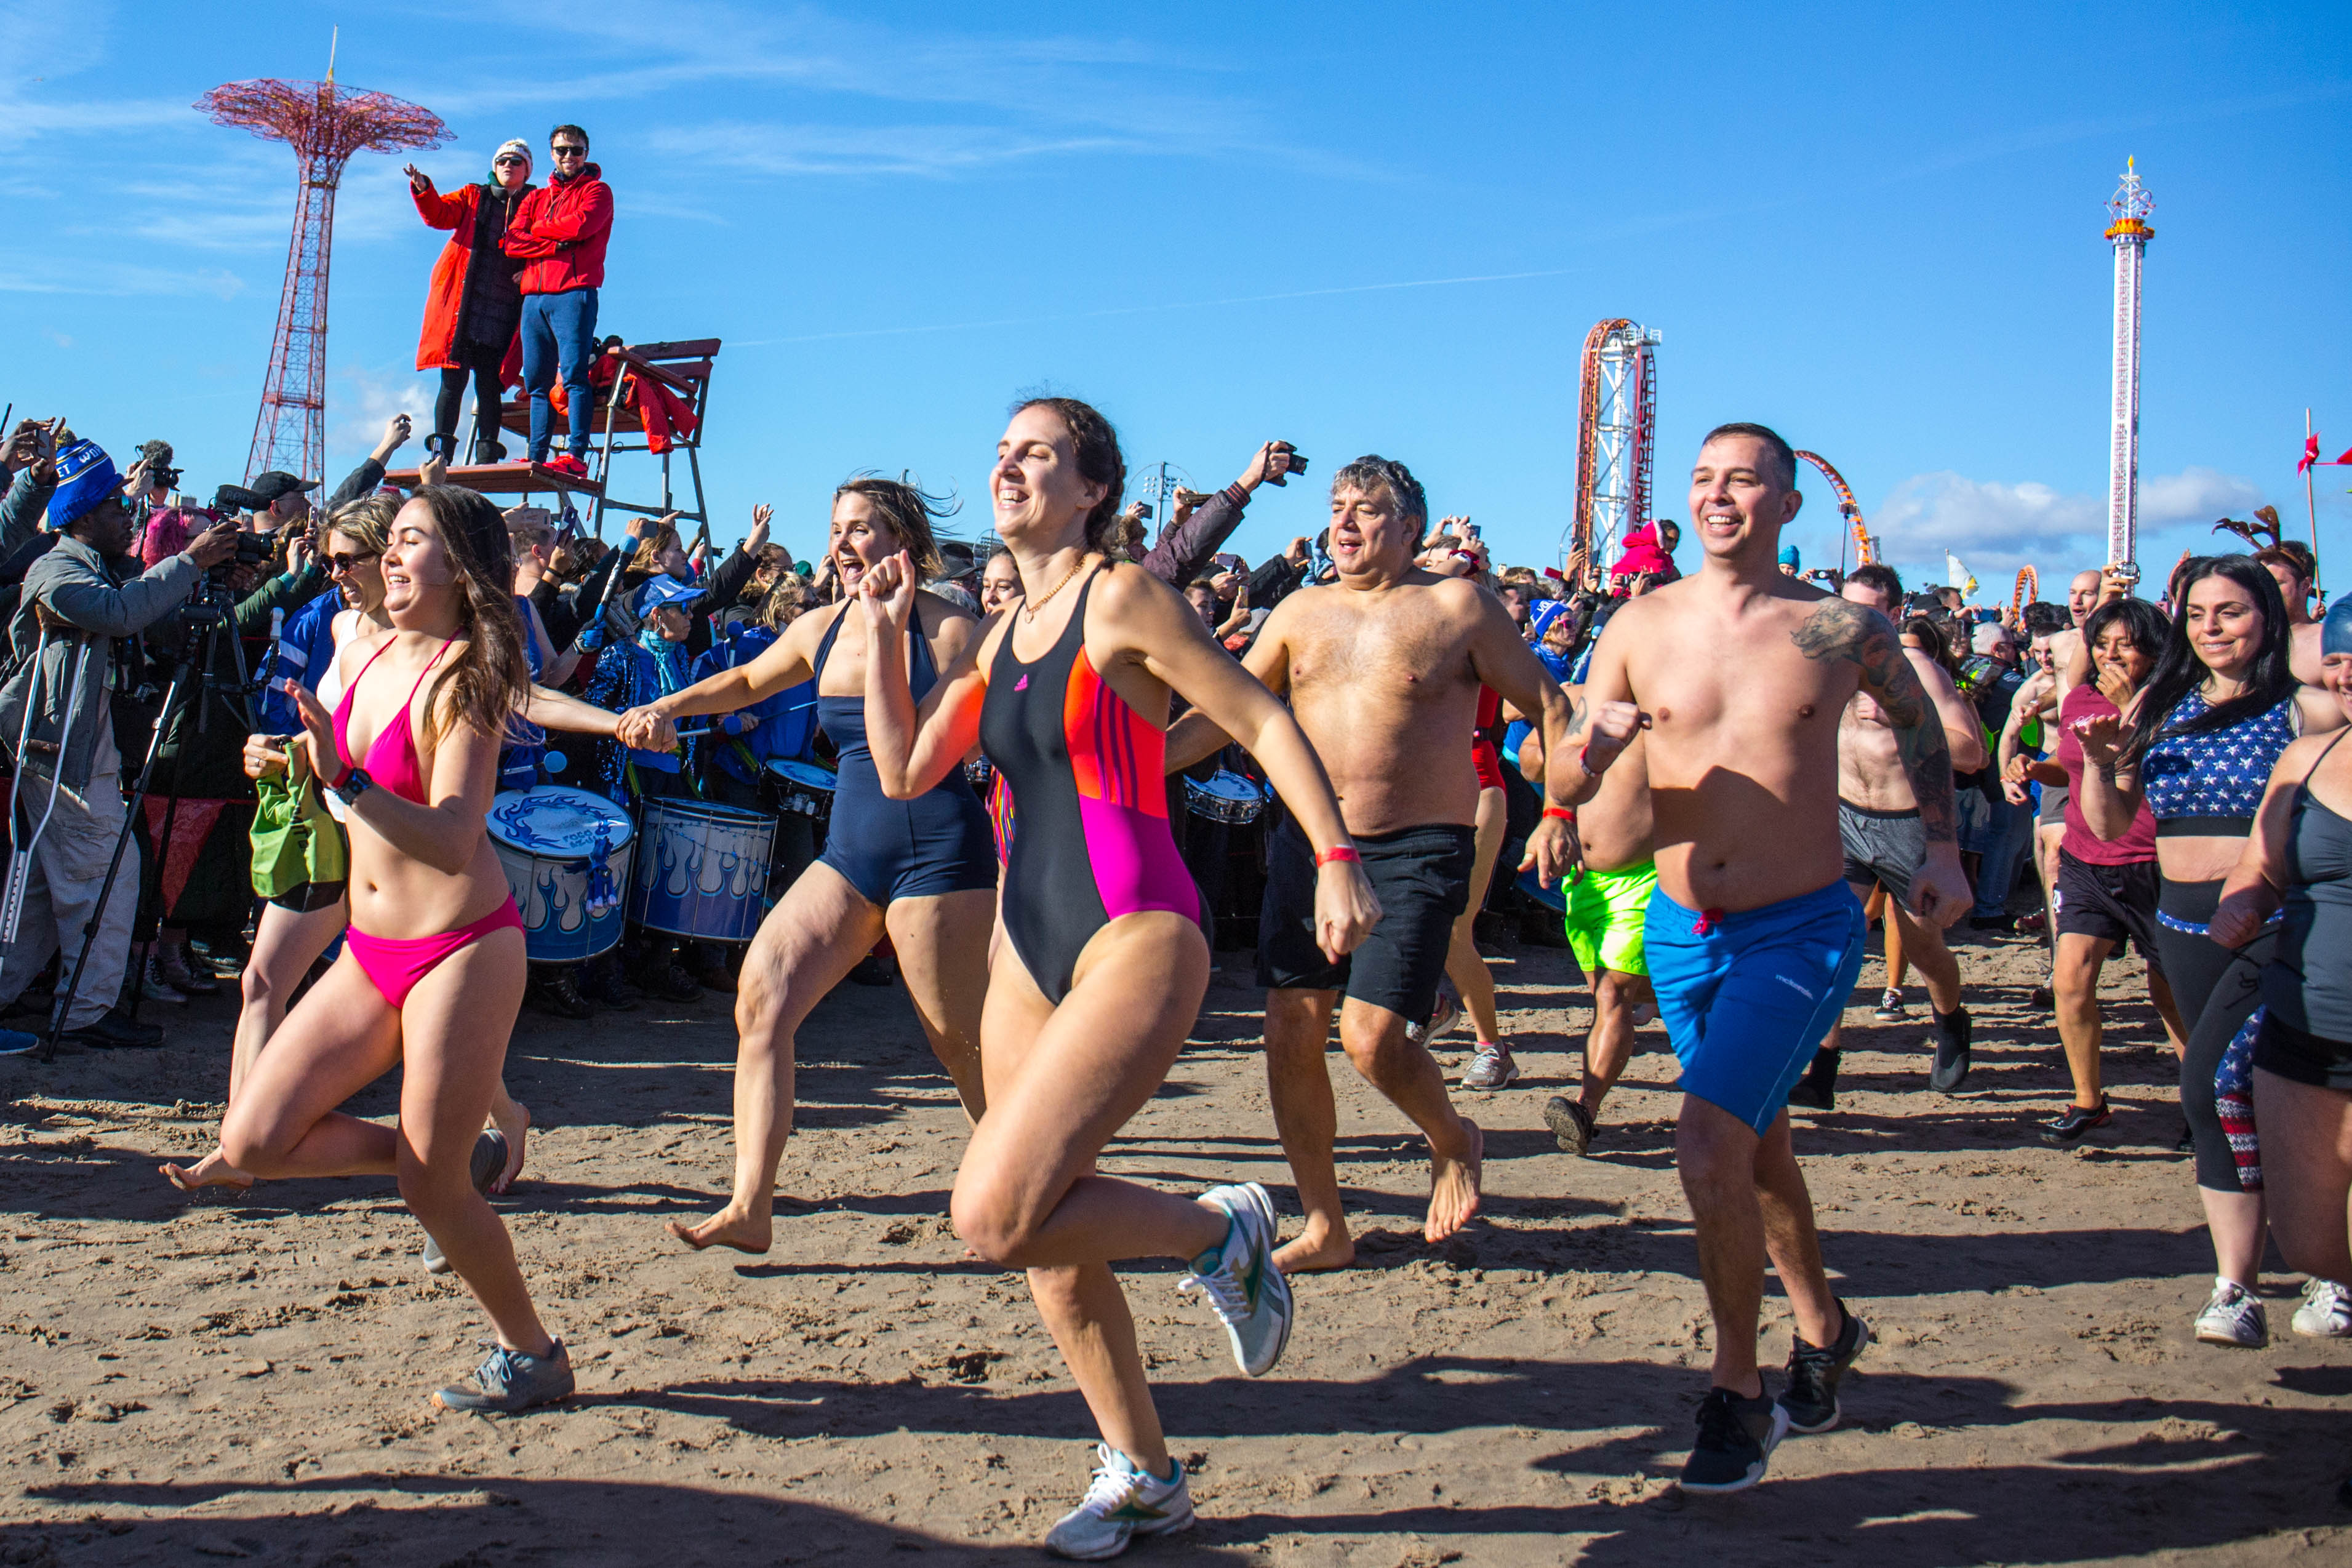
column 559, row 233
column 475, row 308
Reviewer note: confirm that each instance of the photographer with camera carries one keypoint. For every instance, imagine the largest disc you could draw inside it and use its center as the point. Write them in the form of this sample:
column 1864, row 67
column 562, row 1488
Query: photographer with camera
column 54, row 712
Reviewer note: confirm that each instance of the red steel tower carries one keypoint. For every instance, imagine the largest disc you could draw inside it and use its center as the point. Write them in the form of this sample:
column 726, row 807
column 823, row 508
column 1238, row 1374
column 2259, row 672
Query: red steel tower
column 324, row 124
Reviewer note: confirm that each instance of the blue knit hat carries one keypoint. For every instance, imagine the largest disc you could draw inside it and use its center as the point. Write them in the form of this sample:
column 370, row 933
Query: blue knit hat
column 86, row 478
column 1788, row 556
column 2335, row 627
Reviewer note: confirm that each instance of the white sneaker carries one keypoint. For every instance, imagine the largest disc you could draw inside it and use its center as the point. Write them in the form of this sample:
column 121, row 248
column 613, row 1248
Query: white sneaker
column 1244, row 1286
column 2325, row 1312
column 1121, row 1503
column 1448, row 1013
column 2233, row 1317
column 1491, row 1068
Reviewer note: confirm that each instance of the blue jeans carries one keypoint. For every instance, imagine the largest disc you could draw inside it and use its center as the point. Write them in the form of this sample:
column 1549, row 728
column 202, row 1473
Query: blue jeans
column 2003, row 833
column 559, row 330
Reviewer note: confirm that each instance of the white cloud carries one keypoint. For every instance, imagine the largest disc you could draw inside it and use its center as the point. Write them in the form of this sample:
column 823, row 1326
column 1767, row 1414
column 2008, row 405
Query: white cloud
column 362, row 398
column 933, row 150
column 1996, row 528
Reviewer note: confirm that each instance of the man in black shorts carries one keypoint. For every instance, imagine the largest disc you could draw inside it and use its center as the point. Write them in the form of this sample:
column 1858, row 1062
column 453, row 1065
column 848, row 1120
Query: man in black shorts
column 1383, row 670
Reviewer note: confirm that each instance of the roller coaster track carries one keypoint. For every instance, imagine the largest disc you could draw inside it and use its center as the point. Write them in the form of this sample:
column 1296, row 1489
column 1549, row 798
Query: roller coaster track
column 1864, row 542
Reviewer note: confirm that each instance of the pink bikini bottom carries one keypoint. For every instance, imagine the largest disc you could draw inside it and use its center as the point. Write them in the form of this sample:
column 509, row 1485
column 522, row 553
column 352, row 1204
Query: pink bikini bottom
column 395, row 965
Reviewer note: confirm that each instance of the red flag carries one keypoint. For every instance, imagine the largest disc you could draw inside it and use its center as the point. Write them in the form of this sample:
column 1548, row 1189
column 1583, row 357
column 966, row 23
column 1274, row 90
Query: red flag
column 2310, row 453
column 2343, row 461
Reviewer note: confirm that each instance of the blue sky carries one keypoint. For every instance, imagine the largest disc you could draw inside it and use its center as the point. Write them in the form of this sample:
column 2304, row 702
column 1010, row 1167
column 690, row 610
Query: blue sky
column 1367, row 227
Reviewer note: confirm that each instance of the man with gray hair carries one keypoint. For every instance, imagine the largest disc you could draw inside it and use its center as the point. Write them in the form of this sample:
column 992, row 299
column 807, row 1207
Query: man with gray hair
column 55, row 717
column 1383, row 670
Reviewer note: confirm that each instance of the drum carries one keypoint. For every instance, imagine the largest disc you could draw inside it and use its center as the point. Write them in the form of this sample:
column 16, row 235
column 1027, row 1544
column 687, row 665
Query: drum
column 1228, row 798
column 702, row 869
column 802, row 787
column 566, row 856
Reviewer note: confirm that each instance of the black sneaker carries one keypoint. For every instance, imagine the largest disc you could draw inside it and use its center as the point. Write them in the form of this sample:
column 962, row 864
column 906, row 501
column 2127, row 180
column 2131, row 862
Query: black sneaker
column 2068, row 1130
column 1571, row 1123
column 557, row 991
column 113, row 1030
column 670, row 983
column 1735, row 1436
column 1811, row 1402
column 511, row 1381
column 1953, row 1032
column 1991, row 922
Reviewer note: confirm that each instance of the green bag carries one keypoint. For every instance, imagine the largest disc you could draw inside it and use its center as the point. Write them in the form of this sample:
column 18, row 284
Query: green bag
column 294, row 839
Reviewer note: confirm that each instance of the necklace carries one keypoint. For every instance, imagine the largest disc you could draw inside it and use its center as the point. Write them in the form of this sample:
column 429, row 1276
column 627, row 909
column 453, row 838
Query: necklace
column 1029, row 607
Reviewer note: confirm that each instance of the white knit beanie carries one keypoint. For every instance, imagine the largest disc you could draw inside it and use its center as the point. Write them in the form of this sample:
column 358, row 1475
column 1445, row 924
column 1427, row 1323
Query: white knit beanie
column 515, row 145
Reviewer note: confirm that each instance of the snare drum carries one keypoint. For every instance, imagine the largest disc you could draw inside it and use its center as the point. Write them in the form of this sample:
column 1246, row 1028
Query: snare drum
column 802, row 788
column 1228, row 798
column 702, row 870
column 566, row 856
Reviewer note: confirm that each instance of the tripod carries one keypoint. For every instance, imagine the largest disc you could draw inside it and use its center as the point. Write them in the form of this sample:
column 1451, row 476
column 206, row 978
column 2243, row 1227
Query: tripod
column 196, row 663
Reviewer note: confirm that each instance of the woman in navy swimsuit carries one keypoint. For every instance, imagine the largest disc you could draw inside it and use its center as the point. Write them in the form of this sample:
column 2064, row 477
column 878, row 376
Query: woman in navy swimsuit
column 922, row 870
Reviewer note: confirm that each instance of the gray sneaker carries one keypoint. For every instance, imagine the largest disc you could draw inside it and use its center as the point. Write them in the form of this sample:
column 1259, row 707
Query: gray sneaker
column 1735, row 1438
column 511, row 1381
column 1448, row 1013
column 1491, row 1068
column 1241, row 1281
column 489, row 1159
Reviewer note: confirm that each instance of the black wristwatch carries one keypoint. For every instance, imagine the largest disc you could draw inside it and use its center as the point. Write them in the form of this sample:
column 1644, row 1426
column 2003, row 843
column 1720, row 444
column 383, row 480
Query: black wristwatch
column 354, row 784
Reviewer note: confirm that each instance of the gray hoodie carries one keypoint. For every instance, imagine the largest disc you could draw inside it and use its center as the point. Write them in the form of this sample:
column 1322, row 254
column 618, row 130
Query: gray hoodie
column 73, row 581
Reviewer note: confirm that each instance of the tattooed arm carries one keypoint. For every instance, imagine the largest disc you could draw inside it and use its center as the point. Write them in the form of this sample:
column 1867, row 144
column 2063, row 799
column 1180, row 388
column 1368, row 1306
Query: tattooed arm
column 1841, row 629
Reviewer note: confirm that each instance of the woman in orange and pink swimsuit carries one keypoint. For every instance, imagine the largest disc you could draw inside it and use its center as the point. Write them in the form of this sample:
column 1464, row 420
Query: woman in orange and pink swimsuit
column 432, row 972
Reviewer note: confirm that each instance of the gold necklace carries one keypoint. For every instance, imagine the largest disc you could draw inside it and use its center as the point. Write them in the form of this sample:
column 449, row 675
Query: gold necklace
column 1029, row 609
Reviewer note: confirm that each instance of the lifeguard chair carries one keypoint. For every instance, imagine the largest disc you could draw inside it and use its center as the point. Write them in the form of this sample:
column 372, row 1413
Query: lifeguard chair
column 672, row 380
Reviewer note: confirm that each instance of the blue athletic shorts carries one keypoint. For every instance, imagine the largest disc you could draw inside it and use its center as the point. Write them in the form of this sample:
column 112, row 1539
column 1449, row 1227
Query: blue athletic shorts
column 1747, row 996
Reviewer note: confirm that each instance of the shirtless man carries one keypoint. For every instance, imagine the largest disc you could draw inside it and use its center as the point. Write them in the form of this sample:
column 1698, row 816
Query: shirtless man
column 1383, row 670
column 1879, row 824
column 2290, row 561
column 1608, row 904
column 1754, row 939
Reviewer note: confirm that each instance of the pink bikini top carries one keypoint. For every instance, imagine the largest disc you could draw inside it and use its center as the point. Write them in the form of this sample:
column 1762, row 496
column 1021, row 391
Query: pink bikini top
column 392, row 759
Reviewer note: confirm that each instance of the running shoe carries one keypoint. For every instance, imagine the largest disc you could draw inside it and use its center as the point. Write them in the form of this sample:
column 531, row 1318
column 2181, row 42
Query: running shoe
column 567, row 463
column 2233, row 1317
column 1811, row 1400
column 2325, row 1312
column 1890, row 1005
column 1736, row 1437
column 1492, row 1067
column 489, row 1159
column 2042, row 999
column 1239, row 1279
column 1447, row 1013
column 2068, row 1130
column 1954, row 1031
column 511, row 1381
column 1571, row 1123
column 1121, row 1503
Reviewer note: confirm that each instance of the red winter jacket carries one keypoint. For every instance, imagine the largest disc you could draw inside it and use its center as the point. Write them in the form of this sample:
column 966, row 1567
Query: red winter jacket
column 560, row 232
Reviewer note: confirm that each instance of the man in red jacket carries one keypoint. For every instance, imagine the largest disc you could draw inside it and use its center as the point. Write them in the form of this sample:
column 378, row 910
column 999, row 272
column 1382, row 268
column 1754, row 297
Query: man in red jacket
column 559, row 233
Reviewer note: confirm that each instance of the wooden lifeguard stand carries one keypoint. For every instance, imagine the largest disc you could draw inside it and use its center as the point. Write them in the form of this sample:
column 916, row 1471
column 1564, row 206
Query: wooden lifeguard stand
column 682, row 368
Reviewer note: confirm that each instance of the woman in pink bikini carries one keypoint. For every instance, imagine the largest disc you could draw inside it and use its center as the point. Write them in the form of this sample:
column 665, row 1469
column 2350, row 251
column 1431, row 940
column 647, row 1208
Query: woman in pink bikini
column 432, row 972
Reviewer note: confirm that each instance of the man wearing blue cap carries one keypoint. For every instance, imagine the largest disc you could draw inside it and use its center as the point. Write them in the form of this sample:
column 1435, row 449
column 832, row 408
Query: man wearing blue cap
column 55, row 717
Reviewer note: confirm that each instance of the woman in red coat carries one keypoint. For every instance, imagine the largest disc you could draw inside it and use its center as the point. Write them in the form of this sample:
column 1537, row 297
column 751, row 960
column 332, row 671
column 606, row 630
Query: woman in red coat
column 476, row 304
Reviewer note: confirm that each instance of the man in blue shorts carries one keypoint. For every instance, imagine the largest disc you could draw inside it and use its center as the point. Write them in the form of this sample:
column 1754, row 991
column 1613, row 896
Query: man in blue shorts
column 1738, row 674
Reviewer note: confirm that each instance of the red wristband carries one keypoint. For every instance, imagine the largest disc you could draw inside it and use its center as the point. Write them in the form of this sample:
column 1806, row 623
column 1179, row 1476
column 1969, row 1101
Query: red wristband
column 1565, row 812
column 1343, row 852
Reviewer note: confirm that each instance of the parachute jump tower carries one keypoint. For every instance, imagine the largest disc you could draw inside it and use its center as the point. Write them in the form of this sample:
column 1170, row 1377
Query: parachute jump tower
column 1616, row 432
column 324, row 124
column 2129, row 234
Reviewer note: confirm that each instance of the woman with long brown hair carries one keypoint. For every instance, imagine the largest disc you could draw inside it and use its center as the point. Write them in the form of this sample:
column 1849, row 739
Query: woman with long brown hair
column 432, row 971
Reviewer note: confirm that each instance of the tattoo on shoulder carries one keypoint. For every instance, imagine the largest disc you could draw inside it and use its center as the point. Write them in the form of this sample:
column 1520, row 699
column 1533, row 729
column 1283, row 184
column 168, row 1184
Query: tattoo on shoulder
column 1839, row 628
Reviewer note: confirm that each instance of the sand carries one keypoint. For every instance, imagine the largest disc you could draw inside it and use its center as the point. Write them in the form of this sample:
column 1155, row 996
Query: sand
column 244, row 1375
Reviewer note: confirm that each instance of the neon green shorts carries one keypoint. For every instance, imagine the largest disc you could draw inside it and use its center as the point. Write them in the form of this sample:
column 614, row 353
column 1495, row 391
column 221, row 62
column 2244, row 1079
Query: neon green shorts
column 1606, row 910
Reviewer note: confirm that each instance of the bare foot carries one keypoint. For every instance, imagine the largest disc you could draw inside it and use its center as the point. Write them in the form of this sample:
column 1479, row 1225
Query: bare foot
column 1453, row 1187
column 725, row 1229
column 517, row 1129
column 1314, row 1253
column 212, row 1171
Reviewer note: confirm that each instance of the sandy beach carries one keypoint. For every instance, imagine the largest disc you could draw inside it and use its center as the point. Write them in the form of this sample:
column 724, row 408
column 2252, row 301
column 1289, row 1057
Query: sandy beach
column 244, row 1375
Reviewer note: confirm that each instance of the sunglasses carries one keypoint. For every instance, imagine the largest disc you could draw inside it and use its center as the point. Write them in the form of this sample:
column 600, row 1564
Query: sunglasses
column 338, row 565
column 510, row 158
column 568, row 151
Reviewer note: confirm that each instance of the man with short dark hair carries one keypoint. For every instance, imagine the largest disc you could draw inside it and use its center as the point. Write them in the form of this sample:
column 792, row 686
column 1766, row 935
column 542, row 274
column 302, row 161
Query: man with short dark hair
column 1754, row 939
column 56, row 716
column 560, row 233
